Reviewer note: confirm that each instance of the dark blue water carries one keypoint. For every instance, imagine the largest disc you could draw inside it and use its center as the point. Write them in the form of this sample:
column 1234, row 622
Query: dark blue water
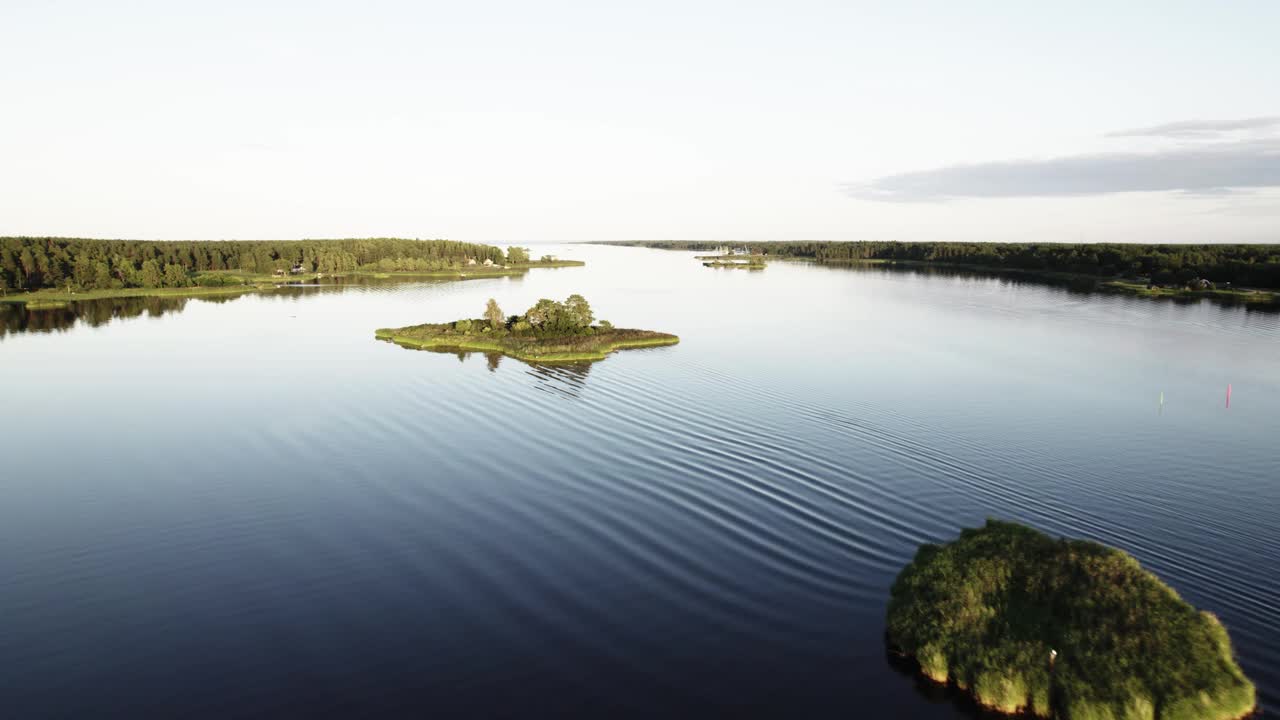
column 253, row 509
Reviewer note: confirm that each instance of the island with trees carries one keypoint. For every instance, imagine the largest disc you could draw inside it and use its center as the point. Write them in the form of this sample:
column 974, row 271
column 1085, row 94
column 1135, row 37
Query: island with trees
column 1240, row 273
column 548, row 332
column 51, row 272
column 1061, row 628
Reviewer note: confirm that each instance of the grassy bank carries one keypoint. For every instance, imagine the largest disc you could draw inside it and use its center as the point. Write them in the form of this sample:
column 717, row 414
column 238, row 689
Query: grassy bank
column 534, row 348
column 45, row 299
column 232, row 282
column 1241, row 295
column 989, row 611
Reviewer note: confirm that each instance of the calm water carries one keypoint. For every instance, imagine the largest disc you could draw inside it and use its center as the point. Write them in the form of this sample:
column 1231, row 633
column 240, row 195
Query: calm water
column 253, row 509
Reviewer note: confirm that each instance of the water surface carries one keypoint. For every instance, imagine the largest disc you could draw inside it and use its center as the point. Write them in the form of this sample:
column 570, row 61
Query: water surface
column 250, row 508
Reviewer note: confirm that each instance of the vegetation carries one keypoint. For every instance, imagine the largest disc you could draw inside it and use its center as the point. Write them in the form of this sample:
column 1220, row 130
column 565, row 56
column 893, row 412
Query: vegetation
column 1256, row 266
column 62, row 269
column 750, row 262
column 549, row 331
column 987, row 611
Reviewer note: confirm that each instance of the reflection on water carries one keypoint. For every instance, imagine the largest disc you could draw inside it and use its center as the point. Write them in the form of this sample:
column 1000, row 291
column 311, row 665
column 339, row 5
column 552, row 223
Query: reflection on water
column 562, row 379
column 15, row 318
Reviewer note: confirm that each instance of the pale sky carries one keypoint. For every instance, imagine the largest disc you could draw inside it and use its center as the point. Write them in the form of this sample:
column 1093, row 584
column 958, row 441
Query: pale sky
column 566, row 121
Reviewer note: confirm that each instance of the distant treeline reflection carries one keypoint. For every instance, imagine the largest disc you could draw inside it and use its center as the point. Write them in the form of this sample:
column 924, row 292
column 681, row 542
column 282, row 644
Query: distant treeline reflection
column 16, row 318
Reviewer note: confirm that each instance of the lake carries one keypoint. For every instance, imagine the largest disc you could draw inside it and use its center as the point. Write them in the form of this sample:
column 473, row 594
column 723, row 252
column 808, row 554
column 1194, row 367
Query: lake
column 251, row 508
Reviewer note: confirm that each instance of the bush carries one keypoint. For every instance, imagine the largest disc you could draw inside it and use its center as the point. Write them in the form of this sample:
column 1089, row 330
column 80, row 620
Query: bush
column 986, row 610
column 462, row 326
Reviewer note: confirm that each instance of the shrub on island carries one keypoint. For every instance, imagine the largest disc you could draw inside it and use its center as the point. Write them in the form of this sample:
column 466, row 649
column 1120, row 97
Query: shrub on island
column 1062, row 628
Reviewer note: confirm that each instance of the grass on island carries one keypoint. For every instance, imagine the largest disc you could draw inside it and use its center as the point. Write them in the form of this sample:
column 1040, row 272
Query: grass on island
column 984, row 612
column 731, row 264
column 549, row 332
column 750, row 262
column 1244, row 295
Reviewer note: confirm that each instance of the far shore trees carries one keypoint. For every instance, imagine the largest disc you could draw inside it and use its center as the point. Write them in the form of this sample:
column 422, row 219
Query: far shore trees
column 517, row 255
column 34, row 263
column 1254, row 265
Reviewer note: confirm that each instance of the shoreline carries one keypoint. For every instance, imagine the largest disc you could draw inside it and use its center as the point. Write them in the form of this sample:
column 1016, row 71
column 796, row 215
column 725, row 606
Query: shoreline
column 969, row 696
column 1259, row 298
column 1255, row 298
column 481, row 344
column 50, row 299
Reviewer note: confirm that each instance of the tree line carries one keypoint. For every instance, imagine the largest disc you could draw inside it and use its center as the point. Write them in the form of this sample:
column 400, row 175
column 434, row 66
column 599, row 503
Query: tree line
column 32, row 263
column 1244, row 265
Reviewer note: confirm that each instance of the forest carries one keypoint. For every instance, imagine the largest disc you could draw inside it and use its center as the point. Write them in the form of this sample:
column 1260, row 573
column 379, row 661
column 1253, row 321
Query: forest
column 1256, row 266
column 32, row 263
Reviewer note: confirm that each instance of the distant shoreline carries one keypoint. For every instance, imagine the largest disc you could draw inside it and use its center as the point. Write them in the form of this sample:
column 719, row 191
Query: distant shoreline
column 239, row 283
column 1111, row 283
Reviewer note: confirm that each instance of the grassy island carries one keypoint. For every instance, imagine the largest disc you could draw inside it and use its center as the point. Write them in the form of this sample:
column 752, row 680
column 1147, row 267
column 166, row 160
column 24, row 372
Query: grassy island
column 751, row 262
column 548, row 332
column 732, row 260
column 1062, row 629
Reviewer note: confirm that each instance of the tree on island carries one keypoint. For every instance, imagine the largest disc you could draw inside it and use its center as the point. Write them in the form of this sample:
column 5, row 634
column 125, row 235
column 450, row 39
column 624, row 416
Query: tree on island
column 516, row 255
column 494, row 315
column 571, row 317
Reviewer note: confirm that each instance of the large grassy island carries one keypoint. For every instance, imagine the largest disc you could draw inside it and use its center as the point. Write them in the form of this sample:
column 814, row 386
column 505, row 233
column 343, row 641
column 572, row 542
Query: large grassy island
column 548, row 332
column 1062, row 629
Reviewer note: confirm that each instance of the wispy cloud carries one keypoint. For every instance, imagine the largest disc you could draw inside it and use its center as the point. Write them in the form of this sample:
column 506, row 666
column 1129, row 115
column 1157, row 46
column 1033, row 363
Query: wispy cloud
column 1201, row 168
column 1194, row 129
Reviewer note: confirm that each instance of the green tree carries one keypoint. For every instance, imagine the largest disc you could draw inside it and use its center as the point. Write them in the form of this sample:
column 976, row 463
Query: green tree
column 494, row 315
column 517, row 255
column 578, row 312
column 175, row 276
column 150, row 275
column 543, row 315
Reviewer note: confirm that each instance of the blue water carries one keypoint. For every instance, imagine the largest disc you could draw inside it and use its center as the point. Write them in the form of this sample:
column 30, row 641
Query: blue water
column 254, row 509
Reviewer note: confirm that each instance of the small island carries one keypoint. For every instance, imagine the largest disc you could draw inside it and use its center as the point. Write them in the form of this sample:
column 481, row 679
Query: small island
column 548, row 332
column 1061, row 628
column 730, row 259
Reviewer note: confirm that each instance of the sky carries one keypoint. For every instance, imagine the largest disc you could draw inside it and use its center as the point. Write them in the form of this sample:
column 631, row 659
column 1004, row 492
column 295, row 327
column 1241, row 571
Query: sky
column 505, row 121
